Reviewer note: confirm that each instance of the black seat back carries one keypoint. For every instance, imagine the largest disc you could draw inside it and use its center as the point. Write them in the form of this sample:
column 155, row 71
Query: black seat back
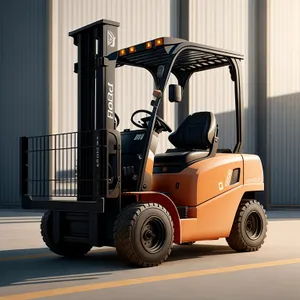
column 197, row 132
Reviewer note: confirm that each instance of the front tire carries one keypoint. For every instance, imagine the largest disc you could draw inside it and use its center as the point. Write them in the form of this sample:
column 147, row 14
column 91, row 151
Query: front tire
column 70, row 249
column 143, row 234
column 249, row 229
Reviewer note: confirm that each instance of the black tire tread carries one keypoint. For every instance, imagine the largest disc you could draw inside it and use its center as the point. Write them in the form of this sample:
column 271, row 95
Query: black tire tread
column 236, row 240
column 62, row 249
column 122, row 237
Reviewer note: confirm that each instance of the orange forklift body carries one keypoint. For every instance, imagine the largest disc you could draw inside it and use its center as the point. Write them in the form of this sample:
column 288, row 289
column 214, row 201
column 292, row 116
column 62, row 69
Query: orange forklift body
column 208, row 190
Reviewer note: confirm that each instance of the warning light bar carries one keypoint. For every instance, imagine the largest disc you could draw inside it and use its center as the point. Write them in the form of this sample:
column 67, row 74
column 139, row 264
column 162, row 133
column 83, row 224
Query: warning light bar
column 147, row 45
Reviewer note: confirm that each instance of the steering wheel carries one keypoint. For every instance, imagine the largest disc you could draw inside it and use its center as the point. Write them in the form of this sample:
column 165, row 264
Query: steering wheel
column 160, row 124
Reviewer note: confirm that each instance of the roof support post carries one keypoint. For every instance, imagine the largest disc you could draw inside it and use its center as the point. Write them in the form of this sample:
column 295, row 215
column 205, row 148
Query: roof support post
column 182, row 109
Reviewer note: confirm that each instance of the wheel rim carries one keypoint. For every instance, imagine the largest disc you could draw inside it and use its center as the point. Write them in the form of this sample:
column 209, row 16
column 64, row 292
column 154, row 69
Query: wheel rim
column 253, row 224
column 153, row 235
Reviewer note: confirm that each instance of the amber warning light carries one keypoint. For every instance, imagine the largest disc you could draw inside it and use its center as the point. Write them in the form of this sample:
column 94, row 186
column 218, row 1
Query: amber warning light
column 122, row 52
column 132, row 49
column 159, row 42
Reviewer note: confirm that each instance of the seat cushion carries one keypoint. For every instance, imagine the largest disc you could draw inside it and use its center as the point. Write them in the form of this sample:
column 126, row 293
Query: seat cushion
column 177, row 158
column 196, row 132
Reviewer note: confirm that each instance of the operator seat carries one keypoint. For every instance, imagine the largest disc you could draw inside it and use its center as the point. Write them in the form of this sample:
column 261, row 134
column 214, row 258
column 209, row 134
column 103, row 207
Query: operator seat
column 195, row 139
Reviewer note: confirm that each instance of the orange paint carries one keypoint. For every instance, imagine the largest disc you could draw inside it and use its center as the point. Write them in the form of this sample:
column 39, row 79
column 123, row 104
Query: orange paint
column 209, row 190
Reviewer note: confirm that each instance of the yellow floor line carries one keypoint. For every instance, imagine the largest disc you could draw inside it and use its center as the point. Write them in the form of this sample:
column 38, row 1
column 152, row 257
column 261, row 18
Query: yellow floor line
column 128, row 282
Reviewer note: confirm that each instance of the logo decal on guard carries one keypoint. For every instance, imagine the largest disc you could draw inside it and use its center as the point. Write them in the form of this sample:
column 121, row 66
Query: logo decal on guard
column 227, row 181
column 139, row 137
column 111, row 39
column 110, row 101
column 221, row 187
column 228, row 178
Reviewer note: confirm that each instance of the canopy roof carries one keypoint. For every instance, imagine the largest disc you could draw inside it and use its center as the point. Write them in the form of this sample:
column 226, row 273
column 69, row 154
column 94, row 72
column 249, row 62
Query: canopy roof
column 192, row 56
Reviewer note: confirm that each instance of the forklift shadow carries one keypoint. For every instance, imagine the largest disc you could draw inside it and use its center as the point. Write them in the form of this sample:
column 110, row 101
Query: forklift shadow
column 185, row 252
column 182, row 252
column 179, row 252
column 40, row 266
column 43, row 267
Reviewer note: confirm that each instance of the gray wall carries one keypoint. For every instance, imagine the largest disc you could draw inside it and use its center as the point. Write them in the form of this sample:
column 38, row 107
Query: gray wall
column 23, row 85
column 278, row 86
column 229, row 25
column 283, row 101
column 225, row 25
column 139, row 21
column 38, row 91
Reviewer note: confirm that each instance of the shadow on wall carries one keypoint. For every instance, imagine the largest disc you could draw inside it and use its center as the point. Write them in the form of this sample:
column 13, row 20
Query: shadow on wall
column 283, row 149
column 282, row 165
column 227, row 130
column 23, row 85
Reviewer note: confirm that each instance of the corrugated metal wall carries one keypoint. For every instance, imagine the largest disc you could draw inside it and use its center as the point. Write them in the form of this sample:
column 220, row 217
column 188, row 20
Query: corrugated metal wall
column 140, row 21
column 230, row 25
column 23, row 85
column 283, row 101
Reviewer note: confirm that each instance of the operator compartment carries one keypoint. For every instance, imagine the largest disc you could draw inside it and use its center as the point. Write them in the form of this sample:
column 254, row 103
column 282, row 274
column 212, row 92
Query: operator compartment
column 193, row 172
column 133, row 144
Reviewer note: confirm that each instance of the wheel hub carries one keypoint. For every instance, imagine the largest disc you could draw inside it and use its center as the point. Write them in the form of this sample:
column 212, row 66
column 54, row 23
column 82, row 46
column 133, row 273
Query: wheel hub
column 153, row 235
column 253, row 225
column 148, row 235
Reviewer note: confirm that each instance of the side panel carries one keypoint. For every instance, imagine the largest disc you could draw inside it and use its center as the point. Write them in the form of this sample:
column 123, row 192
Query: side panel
column 201, row 181
column 213, row 219
column 253, row 170
column 212, row 193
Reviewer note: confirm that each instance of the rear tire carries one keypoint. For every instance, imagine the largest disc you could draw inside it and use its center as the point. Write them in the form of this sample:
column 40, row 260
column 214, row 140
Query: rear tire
column 249, row 229
column 143, row 234
column 69, row 249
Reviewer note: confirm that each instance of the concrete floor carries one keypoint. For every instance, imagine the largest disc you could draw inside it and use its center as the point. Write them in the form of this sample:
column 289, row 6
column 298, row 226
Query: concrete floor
column 206, row 270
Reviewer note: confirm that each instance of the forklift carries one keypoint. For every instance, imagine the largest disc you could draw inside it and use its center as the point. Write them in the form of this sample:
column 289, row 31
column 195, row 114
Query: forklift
column 102, row 187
